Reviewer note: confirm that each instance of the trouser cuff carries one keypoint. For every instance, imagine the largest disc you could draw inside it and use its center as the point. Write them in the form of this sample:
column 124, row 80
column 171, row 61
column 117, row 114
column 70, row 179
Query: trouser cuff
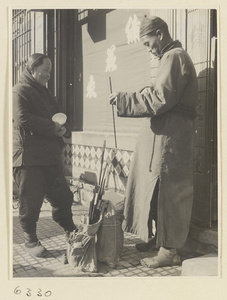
column 30, row 237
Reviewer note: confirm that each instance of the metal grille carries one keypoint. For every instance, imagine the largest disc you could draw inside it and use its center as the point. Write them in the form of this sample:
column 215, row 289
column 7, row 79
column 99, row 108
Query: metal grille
column 21, row 43
column 28, row 36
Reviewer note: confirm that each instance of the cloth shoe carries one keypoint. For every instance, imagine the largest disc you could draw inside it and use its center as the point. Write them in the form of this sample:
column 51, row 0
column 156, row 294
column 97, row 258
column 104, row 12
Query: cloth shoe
column 144, row 247
column 35, row 248
column 164, row 258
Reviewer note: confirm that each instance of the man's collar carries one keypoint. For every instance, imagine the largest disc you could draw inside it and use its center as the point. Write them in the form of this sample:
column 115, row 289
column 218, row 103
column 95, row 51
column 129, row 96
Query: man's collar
column 169, row 46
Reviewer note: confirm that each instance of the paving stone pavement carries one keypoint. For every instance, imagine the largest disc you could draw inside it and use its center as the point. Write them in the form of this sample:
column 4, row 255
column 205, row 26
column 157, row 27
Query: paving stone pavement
column 53, row 238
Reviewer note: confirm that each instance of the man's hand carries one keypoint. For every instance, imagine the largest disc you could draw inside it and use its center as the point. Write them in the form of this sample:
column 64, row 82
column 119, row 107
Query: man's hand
column 113, row 98
column 59, row 130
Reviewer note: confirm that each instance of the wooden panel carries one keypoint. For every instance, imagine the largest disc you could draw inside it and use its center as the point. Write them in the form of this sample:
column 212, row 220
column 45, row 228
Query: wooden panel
column 198, row 45
column 116, row 53
column 198, row 31
column 180, row 23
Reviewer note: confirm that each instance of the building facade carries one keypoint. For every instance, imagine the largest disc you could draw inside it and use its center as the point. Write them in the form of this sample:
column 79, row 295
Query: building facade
column 96, row 51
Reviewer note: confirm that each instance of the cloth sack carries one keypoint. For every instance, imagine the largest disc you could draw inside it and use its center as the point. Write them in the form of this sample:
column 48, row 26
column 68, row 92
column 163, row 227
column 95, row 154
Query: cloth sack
column 81, row 250
column 110, row 236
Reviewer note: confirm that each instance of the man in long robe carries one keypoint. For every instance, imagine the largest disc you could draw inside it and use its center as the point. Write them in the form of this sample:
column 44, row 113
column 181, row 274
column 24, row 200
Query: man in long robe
column 160, row 183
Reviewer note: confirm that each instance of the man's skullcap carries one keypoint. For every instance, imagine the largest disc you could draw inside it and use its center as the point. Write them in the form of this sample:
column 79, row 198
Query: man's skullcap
column 149, row 24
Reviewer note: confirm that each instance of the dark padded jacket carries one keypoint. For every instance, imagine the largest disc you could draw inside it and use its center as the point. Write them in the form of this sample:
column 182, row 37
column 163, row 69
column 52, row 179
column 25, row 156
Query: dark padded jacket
column 34, row 141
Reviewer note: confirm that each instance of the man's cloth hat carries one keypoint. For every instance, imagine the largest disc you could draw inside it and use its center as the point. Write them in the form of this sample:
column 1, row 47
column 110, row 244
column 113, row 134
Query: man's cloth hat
column 149, row 24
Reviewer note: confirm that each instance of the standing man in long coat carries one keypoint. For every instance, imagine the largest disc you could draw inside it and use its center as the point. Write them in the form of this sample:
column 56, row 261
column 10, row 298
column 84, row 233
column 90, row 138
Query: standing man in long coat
column 160, row 184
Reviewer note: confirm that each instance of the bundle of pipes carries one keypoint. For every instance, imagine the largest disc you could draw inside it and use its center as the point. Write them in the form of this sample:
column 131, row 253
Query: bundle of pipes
column 97, row 205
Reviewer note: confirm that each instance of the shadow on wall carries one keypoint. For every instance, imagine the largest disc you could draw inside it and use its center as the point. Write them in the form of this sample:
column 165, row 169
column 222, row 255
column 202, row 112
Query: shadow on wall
column 205, row 151
column 97, row 27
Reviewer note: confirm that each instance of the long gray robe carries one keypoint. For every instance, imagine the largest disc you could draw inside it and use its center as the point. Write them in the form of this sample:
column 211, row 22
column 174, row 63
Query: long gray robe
column 164, row 150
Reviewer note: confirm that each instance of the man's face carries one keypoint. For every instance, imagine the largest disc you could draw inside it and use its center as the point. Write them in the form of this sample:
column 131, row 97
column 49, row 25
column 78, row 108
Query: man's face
column 153, row 44
column 42, row 72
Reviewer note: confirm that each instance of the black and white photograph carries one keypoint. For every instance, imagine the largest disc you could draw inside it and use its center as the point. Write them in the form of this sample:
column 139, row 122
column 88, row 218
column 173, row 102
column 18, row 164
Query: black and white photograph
column 114, row 158
column 114, row 142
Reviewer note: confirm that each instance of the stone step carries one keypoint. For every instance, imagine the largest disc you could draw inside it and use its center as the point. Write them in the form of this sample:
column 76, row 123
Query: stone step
column 206, row 265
